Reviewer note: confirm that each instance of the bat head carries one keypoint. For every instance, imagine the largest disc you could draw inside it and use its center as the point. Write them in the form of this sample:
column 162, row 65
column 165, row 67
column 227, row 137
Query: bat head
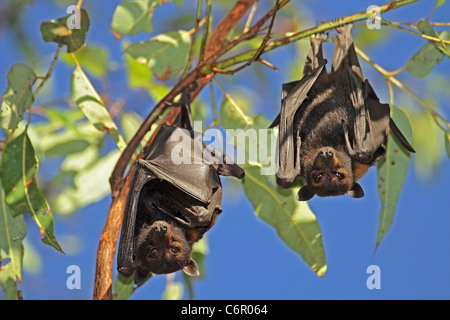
column 329, row 173
column 163, row 248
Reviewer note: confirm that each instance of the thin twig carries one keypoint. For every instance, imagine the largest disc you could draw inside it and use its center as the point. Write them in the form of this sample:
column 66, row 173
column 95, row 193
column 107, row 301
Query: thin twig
column 258, row 52
column 194, row 39
column 438, row 118
column 250, row 17
column 414, row 33
column 268, row 64
column 234, row 104
column 49, row 72
column 206, row 30
column 295, row 36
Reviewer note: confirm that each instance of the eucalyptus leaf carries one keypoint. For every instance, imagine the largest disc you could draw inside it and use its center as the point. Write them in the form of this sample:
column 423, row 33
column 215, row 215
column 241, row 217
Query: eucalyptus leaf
column 123, row 287
column 17, row 172
column 294, row 221
column 391, row 171
column 165, row 55
column 18, row 97
column 427, row 137
column 91, row 184
column 87, row 98
column 58, row 31
column 132, row 17
column 92, row 58
column 426, row 28
column 173, row 291
column 422, row 62
column 447, row 142
column 12, row 233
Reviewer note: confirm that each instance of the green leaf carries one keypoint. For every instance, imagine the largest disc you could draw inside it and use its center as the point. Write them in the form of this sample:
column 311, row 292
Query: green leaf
column 427, row 137
column 139, row 76
column 423, row 62
column 165, row 55
column 60, row 137
column 18, row 97
column 447, row 142
column 84, row 94
column 426, row 28
column 294, row 221
column 17, row 172
column 391, row 171
column 93, row 59
column 439, row 3
column 123, row 287
column 132, row 17
column 57, row 31
column 231, row 117
column 12, row 233
column 199, row 251
column 91, row 184
column 173, row 291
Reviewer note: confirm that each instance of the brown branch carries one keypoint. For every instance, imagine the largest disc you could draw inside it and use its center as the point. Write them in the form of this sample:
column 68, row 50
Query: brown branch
column 260, row 49
column 218, row 37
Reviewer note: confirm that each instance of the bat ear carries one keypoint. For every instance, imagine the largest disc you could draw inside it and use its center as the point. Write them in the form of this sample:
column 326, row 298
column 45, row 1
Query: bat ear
column 356, row 191
column 305, row 193
column 191, row 269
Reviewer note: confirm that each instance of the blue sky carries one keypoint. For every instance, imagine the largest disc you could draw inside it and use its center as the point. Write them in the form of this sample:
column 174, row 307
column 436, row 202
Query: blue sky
column 246, row 258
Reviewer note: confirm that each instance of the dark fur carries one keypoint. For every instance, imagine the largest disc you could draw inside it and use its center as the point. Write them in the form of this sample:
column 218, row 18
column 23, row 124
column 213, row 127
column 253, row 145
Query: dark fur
column 332, row 125
column 163, row 244
column 169, row 206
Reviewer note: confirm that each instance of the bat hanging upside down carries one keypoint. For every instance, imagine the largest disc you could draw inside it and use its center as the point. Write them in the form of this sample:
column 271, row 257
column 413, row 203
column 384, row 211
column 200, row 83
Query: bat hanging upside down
column 171, row 206
column 332, row 125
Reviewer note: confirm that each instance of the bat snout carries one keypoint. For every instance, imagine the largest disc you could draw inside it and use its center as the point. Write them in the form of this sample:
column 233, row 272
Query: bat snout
column 325, row 153
column 160, row 227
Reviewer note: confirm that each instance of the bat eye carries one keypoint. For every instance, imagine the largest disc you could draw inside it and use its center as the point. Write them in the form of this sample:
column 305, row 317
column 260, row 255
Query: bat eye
column 175, row 250
column 339, row 175
column 152, row 253
column 317, row 177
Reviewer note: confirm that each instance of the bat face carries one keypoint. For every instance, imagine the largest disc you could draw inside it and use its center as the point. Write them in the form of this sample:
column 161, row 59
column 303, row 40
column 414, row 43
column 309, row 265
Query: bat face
column 161, row 248
column 329, row 173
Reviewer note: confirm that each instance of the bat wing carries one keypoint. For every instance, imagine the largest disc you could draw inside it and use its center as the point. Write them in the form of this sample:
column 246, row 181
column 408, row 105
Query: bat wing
column 125, row 256
column 372, row 118
column 294, row 93
column 193, row 175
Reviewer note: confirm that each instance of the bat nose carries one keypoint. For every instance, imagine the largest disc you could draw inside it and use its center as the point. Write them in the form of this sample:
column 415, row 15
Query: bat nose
column 160, row 227
column 326, row 153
